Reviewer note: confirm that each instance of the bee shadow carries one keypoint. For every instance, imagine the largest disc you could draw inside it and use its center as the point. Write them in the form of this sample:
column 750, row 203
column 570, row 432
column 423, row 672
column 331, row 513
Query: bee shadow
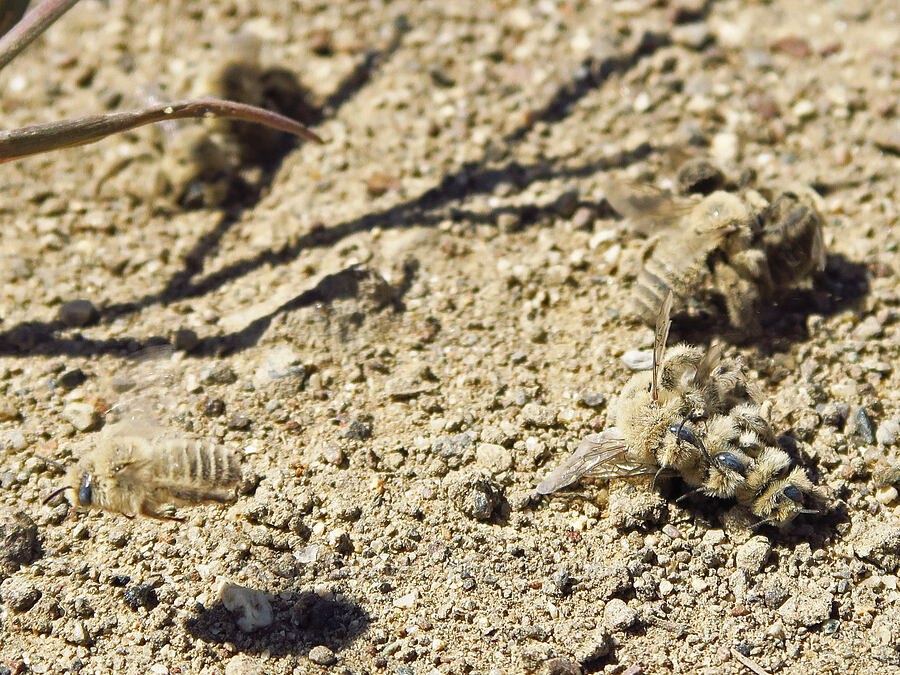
column 298, row 625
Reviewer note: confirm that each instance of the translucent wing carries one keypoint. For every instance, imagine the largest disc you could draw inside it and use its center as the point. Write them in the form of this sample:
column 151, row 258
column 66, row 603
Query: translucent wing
column 648, row 208
column 143, row 393
column 663, row 323
column 710, row 359
column 602, row 455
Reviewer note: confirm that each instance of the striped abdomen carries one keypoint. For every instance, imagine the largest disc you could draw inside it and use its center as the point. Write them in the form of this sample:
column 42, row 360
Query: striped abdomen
column 198, row 462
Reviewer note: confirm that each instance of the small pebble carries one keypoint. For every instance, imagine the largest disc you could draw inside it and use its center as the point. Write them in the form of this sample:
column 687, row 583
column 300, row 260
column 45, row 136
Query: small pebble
column 618, row 616
column 221, row 373
column 638, row 359
column 887, row 432
column 238, row 421
column 592, row 399
column 566, row 203
column 863, row 428
column 186, row 339
column 20, row 596
column 322, row 656
column 78, row 313
column 251, row 607
column 539, row 416
column 140, row 595
column 886, row 494
column 583, row 218
column 753, row 554
column 358, row 431
column 72, row 378
column 82, row 416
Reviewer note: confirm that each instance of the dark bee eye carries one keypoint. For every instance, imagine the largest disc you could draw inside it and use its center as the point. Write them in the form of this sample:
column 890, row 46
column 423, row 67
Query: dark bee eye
column 684, row 434
column 793, row 493
column 85, row 491
column 728, row 461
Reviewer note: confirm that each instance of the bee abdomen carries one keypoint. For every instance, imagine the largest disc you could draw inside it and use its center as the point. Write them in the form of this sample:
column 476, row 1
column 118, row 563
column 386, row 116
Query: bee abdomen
column 203, row 463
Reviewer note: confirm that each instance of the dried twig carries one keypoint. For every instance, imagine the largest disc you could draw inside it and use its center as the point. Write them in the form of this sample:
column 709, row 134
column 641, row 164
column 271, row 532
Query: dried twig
column 35, row 22
column 747, row 662
column 38, row 138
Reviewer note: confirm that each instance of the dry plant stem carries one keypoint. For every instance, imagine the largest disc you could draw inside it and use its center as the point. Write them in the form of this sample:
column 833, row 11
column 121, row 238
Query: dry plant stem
column 33, row 24
column 37, row 138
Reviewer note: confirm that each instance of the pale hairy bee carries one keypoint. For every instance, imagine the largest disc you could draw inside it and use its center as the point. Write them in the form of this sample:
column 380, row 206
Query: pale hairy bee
column 729, row 249
column 655, row 425
column 678, row 419
column 137, row 466
column 138, row 476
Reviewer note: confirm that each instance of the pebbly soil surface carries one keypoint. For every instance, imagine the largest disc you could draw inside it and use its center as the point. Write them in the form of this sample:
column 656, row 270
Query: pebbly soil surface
column 404, row 329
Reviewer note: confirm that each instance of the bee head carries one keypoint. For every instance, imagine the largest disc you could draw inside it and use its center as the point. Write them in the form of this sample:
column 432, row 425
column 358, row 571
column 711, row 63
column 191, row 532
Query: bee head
column 729, row 461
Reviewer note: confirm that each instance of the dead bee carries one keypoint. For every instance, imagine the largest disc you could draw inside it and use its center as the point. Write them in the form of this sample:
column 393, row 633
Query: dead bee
column 678, row 419
column 136, row 475
column 737, row 250
column 137, row 465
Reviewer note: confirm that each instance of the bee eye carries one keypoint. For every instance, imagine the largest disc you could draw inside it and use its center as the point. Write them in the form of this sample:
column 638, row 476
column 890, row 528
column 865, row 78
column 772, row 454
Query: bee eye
column 682, row 433
column 793, row 493
column 728, row 461
column 85, row 491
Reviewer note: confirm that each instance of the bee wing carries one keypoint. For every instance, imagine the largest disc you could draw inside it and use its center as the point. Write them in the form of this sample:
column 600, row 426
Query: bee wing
column 710, row 359
column 602, row 455
column 143, row 392
column 647, row 207
column 663, row 323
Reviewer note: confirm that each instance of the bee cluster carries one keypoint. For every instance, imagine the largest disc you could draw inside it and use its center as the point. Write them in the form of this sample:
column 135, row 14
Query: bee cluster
column 694, row 415
column 736, row 251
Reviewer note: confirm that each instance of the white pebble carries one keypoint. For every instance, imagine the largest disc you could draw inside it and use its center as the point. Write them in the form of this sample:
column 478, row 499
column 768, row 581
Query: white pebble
column 638, row 359
column 251, row 607
column 886, row 494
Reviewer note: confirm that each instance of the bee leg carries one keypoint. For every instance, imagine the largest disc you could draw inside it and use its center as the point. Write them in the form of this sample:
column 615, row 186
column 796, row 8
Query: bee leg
column 683, row 498
column 656, row 476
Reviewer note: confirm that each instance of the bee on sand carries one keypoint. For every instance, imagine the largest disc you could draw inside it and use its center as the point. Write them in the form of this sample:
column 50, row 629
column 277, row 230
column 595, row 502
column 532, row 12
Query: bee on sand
column 693, row 415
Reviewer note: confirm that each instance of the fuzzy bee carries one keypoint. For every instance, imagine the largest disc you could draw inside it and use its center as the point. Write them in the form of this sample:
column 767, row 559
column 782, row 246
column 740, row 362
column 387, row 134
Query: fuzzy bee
column 137, row 475
column 681, row 419
column 735, row 250
column 137, row 467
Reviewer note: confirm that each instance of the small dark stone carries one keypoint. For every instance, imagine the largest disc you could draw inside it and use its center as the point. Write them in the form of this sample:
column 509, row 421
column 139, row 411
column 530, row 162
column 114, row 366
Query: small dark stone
column 78, row 313
column 214, row 407
column 566, row 203
column 21, row 598
column 141, row 595
column 359, row 431
column 186, row 339
column 221, row 373
column 699, row 176
column 72, row 378
column 119, row 580
column 863, row 427
column 476, row 495
column 19, row 543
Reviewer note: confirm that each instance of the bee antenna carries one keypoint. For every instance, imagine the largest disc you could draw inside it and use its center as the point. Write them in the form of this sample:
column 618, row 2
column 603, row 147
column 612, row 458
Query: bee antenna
column 57, row 492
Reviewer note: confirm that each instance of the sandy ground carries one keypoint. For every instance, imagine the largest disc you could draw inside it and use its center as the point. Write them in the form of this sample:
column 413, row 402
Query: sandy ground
column 402, row 330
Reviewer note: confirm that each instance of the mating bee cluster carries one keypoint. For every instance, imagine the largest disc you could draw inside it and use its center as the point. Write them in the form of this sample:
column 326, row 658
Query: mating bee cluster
column 735, row 250
column 693, row 415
